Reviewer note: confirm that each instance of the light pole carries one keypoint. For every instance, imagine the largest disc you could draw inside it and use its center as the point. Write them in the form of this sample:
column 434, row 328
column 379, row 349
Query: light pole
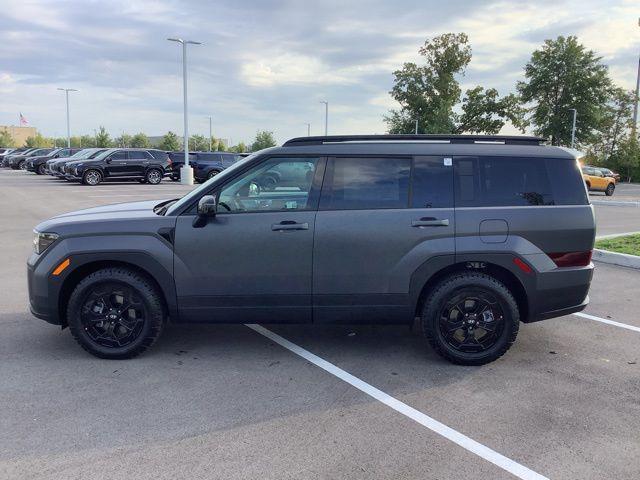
column 66, row 92
column 416, row 126
column 573, row 127
column 326, row 117
column 308, row 129
column 635, row 100
column 186, row 172
column 210, row 137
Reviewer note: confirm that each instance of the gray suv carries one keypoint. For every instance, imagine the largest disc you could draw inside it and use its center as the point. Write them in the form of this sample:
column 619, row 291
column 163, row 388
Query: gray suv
column 469, row 234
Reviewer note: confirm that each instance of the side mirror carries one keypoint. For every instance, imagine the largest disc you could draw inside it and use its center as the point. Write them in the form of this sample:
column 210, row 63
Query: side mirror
column 107, row 160
column 207, row 208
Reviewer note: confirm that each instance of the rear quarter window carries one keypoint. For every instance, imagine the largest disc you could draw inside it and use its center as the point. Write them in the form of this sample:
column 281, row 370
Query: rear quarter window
column 566, row 181
column 517, row 181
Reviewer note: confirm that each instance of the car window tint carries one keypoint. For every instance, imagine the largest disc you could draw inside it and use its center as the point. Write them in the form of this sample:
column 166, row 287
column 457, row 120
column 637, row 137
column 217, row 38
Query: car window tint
column 566, row 182
column 432, row 185
column 138, row 155
column 366, row 183
column 120, row 155
column 279, row 184
column 502, row 181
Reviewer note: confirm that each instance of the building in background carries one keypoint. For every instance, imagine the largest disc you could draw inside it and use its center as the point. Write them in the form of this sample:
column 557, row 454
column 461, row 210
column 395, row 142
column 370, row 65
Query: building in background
column 19, row 134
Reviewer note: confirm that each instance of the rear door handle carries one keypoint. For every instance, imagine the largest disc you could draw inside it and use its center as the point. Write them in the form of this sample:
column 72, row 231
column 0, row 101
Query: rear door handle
column 289, row 225
column 430, row 222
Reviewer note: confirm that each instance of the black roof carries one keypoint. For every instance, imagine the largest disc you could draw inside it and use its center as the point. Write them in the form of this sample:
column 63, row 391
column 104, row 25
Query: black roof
column 454, row 139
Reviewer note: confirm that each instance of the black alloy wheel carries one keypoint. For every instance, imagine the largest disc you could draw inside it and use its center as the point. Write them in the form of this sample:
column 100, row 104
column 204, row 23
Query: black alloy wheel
column 112, row 314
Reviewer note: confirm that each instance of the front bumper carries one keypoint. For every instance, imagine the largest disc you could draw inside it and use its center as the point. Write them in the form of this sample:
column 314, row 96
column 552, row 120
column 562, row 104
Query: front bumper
column 40, row 296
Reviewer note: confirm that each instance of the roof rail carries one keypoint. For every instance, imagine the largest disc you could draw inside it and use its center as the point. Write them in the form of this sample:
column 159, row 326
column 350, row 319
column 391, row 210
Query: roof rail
column 494, row 139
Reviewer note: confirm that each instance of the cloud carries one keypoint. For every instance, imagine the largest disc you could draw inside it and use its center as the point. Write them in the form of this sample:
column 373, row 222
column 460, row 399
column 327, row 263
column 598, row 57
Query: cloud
column 267, row 64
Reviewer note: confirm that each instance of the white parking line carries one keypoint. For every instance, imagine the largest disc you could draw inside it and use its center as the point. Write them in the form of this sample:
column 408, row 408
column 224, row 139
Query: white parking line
column 441, row 429
column 607, row 321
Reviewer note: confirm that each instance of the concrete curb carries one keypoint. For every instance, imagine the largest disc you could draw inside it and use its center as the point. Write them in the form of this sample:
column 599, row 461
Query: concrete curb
column 615, row 203
column 615, row 235
column 620, row 259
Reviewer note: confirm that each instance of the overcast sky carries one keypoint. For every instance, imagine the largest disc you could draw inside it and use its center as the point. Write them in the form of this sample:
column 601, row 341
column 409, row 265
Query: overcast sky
column 267, row 64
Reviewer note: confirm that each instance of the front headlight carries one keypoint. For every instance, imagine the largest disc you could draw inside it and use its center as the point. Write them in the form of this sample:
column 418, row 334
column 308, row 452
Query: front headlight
column 42, row 240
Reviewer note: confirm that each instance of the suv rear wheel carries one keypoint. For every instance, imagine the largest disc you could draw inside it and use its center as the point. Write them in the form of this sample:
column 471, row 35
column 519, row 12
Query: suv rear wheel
column 212, row 173
column 115, row 313
column 91, row 177
column 610, row 189
column 470, row 318
column 153, row 176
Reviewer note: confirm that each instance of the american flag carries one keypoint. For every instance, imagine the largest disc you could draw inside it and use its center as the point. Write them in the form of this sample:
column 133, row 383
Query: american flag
column 23, row 121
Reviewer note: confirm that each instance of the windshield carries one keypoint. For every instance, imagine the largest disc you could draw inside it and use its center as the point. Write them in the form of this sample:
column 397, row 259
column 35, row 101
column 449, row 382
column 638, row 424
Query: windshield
column 103, row 154
column 87, row 153
column 40, row 151
column 202, row 188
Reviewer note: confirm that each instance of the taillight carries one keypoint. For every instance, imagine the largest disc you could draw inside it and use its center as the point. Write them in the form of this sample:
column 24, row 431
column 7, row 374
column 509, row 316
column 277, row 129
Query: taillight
column 571, row 259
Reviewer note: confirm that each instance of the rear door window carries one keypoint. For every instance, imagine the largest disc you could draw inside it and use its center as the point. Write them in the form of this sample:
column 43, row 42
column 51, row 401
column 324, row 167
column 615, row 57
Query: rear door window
column 139, row 155
column 366, row 183
column 432, row 183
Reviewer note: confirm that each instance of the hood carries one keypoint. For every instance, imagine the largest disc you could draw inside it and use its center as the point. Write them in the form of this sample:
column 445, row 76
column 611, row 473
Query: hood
column 108, row 219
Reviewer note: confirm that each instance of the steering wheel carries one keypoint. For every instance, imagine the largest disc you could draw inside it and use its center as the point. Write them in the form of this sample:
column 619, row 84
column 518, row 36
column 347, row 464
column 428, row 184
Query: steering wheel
column 222, row 204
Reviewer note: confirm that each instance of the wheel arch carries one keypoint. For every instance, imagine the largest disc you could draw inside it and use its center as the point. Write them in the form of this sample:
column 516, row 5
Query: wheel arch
column 421, row 284
column 154, row 273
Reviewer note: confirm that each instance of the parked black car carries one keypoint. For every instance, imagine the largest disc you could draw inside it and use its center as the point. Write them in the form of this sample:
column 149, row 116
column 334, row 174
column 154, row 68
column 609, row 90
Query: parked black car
column 6, row 158
column 55, row 166
column 19, row 162
column 37, row 164
column 205, row 164
column 144, row 165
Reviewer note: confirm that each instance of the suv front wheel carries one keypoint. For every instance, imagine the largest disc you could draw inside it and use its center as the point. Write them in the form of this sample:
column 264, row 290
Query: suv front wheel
column 115, row 313
column 470, row 318
column 91, row 177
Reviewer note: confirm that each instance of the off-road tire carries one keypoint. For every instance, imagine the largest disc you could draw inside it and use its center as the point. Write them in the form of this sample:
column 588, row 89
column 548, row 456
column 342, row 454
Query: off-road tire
column 155, row 314
column 455, row 284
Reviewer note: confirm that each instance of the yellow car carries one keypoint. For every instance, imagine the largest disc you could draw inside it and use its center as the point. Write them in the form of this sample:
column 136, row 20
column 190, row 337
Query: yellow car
column 596, row 181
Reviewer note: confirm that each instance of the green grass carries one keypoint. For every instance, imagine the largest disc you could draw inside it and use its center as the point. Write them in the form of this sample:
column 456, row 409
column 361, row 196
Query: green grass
column 629, row 244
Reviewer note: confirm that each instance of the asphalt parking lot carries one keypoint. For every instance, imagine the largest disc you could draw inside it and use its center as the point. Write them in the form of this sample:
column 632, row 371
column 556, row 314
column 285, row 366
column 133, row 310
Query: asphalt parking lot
column 228, row 402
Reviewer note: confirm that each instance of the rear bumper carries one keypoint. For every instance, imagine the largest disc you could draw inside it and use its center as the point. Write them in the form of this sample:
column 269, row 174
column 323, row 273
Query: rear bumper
column 559, row 292
column 561, row 312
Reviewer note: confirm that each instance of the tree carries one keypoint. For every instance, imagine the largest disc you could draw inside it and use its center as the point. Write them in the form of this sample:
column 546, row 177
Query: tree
column 627, row 158
column 615, row 127
column 563, row 75
column 103, row 139
column 123, row 140
column 198, row 143
column 264, row 139
column 430, row 92
column 483, row 111
column 140, row 140
column 219, row 146
column 170, row 142
column 6, row 140
column 239, row 148
column 38, row 141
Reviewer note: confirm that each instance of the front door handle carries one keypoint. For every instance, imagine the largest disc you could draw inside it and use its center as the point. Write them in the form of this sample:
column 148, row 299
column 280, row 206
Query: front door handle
column 430, row 222
column 289, row 225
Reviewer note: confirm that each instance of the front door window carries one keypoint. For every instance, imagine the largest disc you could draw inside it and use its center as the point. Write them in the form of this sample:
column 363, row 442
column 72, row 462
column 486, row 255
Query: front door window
column 279, row 184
